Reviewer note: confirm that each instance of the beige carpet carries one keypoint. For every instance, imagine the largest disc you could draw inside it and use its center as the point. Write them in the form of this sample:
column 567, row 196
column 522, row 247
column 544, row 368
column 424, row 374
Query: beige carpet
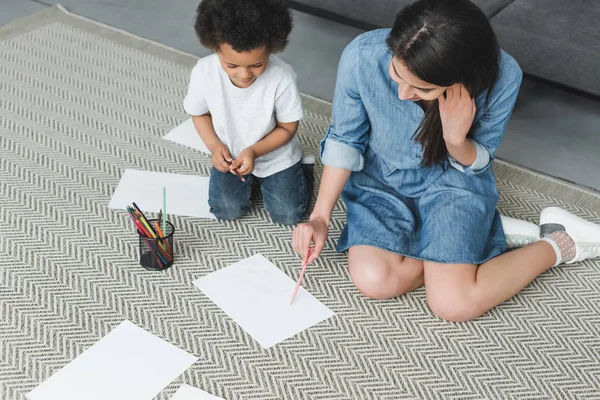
column 81, row 102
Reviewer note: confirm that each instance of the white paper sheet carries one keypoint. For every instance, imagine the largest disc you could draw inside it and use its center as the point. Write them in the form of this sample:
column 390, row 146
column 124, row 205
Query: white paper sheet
column 186, row 134
column 128, row 363
column 256, row 295
column 186, row 194
column 187, row 392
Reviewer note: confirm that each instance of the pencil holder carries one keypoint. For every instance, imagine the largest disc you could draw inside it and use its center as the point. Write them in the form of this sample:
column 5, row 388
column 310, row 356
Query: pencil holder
column 156, row 254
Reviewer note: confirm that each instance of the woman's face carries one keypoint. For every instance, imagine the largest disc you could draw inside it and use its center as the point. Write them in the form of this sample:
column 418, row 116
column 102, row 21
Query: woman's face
column 410, row 87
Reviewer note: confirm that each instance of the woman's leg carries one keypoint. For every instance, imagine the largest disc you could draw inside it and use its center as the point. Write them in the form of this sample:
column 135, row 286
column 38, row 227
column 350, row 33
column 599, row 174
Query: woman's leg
column 380, row 274
column 462, row 292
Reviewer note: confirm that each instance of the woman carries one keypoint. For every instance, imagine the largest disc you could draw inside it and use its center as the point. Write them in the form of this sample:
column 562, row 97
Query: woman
column 418, row 112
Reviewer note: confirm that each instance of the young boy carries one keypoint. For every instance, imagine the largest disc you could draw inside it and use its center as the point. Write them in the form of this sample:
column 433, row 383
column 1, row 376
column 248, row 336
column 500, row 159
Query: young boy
column 246, row 106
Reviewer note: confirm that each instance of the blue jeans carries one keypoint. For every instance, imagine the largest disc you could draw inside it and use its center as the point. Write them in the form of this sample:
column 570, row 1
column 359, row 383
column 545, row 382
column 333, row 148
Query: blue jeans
column 286, row 194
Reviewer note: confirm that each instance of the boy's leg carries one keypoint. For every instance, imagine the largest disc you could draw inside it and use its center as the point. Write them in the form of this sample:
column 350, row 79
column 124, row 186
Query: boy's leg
column 228, row 196
column 286, row 195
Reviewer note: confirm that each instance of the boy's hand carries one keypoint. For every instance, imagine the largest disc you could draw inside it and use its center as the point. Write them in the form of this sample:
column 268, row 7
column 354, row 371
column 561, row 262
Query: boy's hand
column 221, row 158
column 244, row 163
column 457, row 111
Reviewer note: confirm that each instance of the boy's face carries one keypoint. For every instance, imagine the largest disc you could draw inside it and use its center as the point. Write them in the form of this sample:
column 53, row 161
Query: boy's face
column 243, row 68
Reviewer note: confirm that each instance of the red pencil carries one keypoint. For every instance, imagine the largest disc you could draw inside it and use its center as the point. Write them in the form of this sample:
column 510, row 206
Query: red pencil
column 235, row 171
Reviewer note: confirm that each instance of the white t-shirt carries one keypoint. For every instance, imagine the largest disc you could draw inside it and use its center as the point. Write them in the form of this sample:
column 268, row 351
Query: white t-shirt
column 243, row 116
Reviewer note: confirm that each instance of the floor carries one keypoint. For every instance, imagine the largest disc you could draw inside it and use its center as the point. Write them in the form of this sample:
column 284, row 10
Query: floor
column 552, row 130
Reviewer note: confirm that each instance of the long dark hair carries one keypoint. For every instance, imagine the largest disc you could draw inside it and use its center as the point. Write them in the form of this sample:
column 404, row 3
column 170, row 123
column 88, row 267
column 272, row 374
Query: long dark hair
column 444, row 42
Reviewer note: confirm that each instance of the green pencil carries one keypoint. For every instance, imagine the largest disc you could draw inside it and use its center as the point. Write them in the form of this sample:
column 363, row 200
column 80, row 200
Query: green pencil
column 164, row 210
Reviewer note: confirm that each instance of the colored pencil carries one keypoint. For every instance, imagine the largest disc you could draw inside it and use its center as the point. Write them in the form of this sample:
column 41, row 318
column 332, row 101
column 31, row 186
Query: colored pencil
column 161, row 235
column 304, row 265
column 156, row 256
column 141, row 227
column 236, row 172
column 144, row 219
column 164, row 207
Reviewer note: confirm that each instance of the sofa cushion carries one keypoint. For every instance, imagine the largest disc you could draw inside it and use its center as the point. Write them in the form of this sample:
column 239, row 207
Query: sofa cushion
column 491, row 7
column 554, row 39
column 382, row 13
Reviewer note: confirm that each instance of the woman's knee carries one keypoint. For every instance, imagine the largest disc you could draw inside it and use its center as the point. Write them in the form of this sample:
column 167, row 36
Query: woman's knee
column 380, row 280
column 453, row 307
column 370, row 280
column 451, row 292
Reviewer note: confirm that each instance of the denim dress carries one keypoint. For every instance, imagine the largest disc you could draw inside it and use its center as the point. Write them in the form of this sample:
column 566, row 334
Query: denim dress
column 445, row 213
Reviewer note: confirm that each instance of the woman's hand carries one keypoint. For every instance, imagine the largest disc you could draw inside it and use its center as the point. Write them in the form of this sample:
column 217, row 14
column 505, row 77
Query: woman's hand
column 314, row 231
column 457, row 112
column 221, row 158
column 244, row 162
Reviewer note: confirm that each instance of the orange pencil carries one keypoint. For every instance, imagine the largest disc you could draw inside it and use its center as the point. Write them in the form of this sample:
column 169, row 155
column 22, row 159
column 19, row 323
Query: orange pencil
column 161, row 235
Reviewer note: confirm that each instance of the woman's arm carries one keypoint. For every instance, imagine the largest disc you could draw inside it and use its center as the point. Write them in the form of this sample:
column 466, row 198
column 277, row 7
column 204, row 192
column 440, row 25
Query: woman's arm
column 341, row 152
column 333, row 181
column 473, row 154
column 465, row 152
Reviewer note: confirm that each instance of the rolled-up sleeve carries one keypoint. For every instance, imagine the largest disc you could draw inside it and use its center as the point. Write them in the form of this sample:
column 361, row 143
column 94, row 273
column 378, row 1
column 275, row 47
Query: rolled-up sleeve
column 487, row 133
column 482, row 160
column 347, row 138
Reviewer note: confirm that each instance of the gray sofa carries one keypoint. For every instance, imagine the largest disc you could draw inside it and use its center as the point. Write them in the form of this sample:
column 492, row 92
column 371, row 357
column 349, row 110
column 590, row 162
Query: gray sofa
column 555, row 40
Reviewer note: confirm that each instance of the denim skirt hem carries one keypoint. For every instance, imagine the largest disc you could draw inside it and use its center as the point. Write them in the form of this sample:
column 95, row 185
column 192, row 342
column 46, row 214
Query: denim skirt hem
column 344, row 244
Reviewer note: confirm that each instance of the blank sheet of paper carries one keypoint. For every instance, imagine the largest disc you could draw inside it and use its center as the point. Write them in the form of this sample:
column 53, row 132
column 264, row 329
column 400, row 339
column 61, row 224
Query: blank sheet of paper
column 187, row 392
column 186, row 194
column 128, row 363
column 256, row 295
column 186, row 134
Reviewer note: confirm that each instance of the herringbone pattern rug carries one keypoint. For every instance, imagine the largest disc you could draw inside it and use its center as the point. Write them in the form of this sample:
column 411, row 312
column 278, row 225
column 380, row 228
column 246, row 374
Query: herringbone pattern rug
column 81, row 102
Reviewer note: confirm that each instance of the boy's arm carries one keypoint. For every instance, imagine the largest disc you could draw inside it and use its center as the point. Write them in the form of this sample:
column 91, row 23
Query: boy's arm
column 280, row 135
column 221, row 157
column 204, row 127
column 288, row 107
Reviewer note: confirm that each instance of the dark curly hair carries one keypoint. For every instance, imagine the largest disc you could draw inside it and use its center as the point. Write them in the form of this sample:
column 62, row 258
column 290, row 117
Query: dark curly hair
column 244, row 24
column 443, row 43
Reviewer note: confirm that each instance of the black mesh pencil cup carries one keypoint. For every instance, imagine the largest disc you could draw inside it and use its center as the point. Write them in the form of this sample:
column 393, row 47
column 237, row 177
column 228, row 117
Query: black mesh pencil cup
column 157, row 254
